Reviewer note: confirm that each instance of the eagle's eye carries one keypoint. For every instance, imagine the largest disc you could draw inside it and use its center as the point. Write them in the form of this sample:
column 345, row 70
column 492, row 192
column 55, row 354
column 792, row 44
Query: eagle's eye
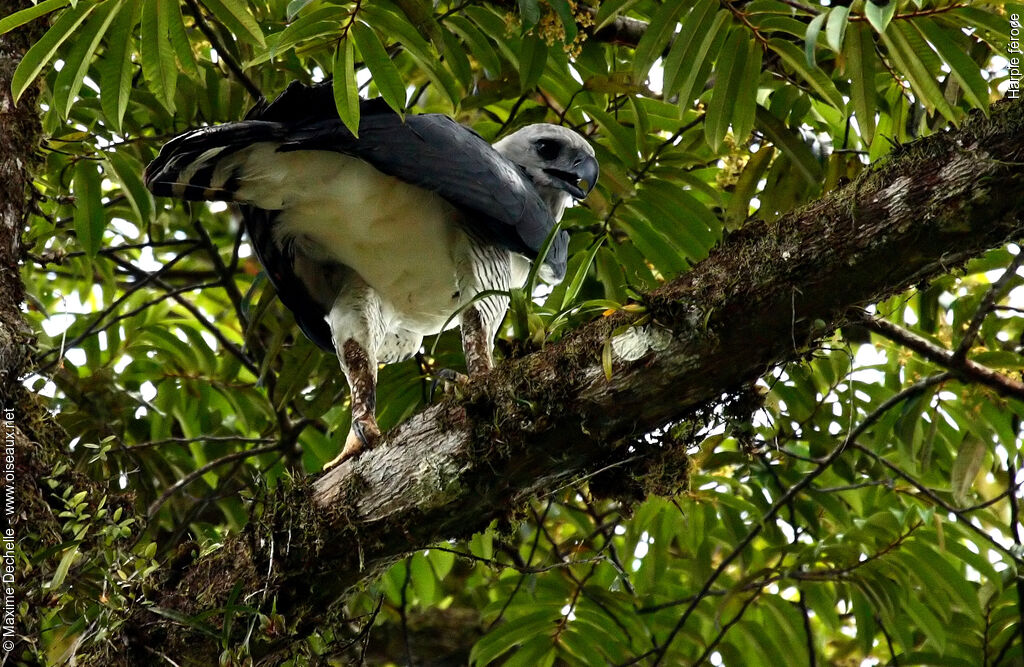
column 548, row 149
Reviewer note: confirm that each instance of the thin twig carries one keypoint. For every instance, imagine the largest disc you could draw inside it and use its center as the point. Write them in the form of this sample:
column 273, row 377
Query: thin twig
column 249, row 364
column 202, row 470
column 931, row 495
column 226, row 276
column 222, row 53
column 994, row 294
column 1015, row 523
column 143, row 279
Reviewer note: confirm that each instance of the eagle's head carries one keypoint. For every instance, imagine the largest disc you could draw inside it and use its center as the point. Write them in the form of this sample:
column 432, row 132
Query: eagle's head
column 559, row 161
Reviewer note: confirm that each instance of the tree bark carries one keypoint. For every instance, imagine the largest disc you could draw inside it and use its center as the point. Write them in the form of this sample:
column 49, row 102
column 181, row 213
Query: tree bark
column 534, row 424
column 29, row 431
column 19, row 140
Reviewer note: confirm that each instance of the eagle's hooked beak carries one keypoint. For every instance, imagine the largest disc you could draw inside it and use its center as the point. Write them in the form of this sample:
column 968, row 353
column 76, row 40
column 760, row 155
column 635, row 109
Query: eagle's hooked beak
column 579, row 180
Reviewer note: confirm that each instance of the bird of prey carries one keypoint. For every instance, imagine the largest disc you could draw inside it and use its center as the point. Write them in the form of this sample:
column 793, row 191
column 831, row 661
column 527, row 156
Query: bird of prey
column 376, row 240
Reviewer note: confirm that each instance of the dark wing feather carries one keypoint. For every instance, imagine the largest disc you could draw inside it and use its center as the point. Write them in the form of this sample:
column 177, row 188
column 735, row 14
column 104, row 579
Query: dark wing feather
column 309, row 313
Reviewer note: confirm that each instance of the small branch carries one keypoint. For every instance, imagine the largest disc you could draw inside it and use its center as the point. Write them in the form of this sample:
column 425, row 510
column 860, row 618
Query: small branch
column 222, row 53
column 200, row 439
column 964, row 368
column 725, row 628
column 226, row 275
column 1015, row 530
column 249, row 364
column 202, row 470
column 143, row 279
column 931, row 495
column 994, row 294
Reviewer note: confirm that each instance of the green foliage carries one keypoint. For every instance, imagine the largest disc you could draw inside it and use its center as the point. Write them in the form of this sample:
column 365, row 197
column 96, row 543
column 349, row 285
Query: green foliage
column 181, row 377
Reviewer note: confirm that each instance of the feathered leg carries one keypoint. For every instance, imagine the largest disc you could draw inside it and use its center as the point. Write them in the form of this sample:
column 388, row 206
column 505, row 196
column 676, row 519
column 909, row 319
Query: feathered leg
column 358, row 327
column 482, row 267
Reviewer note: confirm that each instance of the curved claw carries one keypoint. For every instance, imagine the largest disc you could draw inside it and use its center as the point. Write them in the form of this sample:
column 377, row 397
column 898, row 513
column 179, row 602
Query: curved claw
column 447, row 378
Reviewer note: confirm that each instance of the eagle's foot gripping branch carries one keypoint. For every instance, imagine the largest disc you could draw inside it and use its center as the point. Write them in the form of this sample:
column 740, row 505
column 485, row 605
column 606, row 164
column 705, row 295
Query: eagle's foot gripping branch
column 364, row 434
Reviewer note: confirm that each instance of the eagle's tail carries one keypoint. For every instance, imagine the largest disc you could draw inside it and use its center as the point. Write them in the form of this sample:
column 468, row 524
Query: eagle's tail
column 207, row 164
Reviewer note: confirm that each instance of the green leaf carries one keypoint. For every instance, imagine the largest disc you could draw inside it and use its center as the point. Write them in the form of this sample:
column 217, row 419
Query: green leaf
column 584, row 640
column 442, row 561
column 728, row 72
column 746, row 94
column 397, row 26
column 385, row 74
column 42, row 52
column 128, row 172
column 158, row 65
column 235, row 15
column 326, row 21
column 814, row 76
column 734, row 97
column 479, row 46
column 966, row 466
column 422, row 578
column 655, row 247
column 294, row 7
column 23, row 16
column 457, row 59
column 76, row 64
column 811, row 39
column 90, row 219
column 515, row 632
column 610, row 9
column 688, row 81
column 621, row 139
column 966, row 71
column 835, row 29
column 529, row 11
column 746, row 187
column 179, row 38
column 655, row 38
column 925, row 620
column 702, row 224
column 946, row 576
column 533, row 55
column 346, row 92
column 921, row 77
column 116, row 67
column 575, row 282
column 696, row 22
column 860, row 59
column 186, row 620
column 864, row 614
column 492, row 23
column 789, row 142
column 879, row 17
column 673, row 228
column 61, row 572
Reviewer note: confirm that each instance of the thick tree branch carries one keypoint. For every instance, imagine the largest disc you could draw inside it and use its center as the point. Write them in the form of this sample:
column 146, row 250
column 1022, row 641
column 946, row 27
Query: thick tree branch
column 765, row 297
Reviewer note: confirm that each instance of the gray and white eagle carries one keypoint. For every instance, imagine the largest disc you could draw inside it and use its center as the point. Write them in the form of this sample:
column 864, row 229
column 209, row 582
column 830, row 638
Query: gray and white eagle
column 374, row 242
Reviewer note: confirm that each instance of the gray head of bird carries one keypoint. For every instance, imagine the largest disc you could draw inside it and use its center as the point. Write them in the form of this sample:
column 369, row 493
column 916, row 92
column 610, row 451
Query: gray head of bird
column 559, row 161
